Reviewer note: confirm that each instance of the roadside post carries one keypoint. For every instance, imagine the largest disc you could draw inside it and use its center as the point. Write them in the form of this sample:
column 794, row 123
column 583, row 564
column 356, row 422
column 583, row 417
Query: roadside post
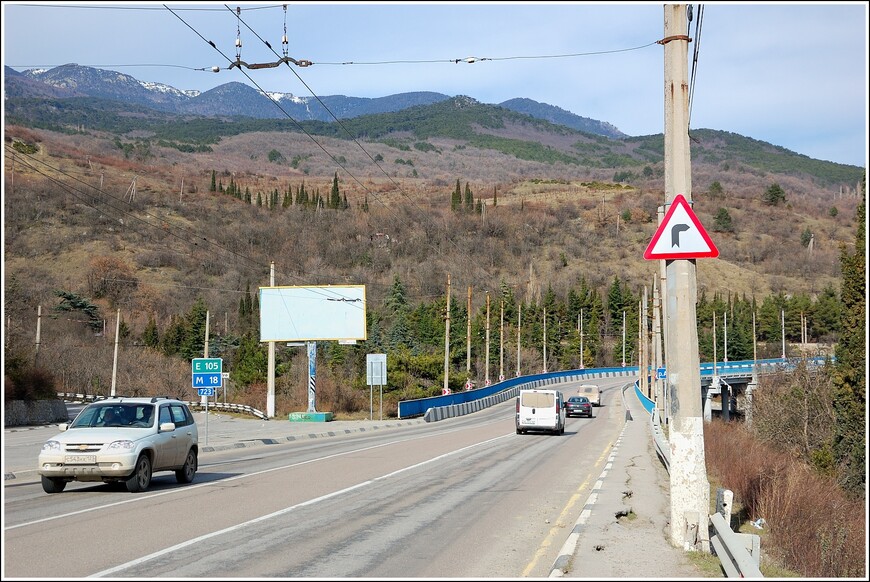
column 206, row 377
column 376, row 373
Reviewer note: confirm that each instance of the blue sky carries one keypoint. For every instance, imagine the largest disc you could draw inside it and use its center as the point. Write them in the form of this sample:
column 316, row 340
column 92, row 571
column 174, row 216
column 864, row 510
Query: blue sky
column 792, row 74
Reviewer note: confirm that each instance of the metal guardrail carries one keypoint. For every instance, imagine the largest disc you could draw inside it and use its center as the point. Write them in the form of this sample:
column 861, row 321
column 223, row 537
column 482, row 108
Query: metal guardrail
column 225, row 407
column 731, row 549
column 435, row 413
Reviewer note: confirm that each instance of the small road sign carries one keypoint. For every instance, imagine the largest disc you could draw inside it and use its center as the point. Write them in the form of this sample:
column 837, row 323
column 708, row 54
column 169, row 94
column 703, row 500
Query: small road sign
column 661, row 374
column 207, row 372
column 207, row 381
column 206, row 365
column 205, row 391
column 376, row 369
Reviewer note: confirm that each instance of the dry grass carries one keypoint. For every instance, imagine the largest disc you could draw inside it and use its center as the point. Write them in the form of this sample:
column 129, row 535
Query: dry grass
column 811, row 526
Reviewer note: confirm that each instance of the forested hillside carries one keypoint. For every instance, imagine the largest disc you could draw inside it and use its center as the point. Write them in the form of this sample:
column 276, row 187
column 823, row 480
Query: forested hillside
column 165, row 218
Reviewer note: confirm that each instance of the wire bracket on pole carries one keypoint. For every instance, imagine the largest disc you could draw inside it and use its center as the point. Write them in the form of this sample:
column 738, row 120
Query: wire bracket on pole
column 668, row 39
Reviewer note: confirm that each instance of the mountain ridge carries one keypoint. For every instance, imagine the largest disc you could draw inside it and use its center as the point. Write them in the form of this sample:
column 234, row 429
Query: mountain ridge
column 235, row 98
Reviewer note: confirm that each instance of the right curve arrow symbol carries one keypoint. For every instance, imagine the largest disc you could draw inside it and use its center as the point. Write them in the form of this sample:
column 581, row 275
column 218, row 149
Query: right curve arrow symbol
column 675, row 233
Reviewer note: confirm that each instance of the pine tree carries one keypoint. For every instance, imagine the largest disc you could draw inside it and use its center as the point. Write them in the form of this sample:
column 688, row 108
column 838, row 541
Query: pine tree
column 774, row 195
column 469, row 198
column 251, row 362
column 494, row 196
column 722, row 221
column 173, row 337
column 193, row 340
column 213, row 187
column 850, row 397
column 150, row 336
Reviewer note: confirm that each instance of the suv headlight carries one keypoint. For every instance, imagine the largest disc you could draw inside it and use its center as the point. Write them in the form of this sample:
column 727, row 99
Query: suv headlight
column 51, row 447
column 121, row 445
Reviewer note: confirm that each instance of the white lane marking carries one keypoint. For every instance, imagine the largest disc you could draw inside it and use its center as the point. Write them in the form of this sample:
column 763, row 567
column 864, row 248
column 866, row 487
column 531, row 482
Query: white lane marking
column 150, row 496
column 286, row 510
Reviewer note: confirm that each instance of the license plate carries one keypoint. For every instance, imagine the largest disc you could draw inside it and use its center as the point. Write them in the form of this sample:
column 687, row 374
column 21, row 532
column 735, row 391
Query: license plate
column 80, row 459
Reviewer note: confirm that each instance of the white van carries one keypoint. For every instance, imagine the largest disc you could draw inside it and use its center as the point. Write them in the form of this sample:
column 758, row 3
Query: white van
column 541, row 410
column 592, row 392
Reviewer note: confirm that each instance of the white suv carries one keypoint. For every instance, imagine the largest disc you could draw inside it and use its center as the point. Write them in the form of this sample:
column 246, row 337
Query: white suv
column 122, row 440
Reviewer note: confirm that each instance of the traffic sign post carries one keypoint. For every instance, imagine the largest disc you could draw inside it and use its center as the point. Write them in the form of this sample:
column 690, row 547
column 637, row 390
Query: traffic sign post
column 206, row 375
column 376, row 373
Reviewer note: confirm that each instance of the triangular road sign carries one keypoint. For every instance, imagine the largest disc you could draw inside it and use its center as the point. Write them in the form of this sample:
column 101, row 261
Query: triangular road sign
column 680, row 235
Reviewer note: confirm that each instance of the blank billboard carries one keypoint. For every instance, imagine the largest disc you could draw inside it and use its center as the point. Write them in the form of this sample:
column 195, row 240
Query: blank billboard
column 328, row 312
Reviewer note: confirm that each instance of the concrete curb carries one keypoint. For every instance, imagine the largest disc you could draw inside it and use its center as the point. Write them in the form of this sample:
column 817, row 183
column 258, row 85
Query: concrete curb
column 566, row 553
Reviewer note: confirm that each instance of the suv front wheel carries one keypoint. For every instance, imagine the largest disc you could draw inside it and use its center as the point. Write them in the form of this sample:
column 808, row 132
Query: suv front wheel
column 52, row 484
column 141, row 477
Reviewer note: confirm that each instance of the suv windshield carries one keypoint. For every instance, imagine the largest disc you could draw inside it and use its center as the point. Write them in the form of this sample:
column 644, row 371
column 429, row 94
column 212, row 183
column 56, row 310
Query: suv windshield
column 137, row 415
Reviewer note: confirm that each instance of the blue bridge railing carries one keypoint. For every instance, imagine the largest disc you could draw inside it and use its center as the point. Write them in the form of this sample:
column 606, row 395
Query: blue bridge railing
column 419, row 406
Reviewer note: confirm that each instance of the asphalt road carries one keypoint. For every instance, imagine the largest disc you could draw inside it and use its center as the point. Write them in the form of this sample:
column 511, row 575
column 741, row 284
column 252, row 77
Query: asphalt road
column 463, row 497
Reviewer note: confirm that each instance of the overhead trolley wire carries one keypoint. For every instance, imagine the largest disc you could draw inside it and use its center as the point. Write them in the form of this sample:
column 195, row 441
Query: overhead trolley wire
column 363, row 186
column 487, row 276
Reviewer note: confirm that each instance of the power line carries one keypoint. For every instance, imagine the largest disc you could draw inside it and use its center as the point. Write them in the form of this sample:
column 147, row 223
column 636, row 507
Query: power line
column 486, row 275
column 366, row 189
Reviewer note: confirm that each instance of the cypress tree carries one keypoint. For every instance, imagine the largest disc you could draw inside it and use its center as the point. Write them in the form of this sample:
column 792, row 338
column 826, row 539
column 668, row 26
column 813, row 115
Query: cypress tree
column 456, row 197
column 334, row 196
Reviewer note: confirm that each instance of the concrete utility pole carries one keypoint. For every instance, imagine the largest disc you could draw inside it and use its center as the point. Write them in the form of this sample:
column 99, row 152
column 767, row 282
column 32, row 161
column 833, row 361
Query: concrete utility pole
column 519, row 337
column 750, row 388
column 657, row 350
column 115, row 359
column 641, row 377
column 623, row 339
column 468, row 340
column 663, row 285
column 580, row 324
column 501, row 343
column 644, row 339
column 545, row 340
column 690, row 489
column 38, row 330
column 447, row 340
column 486, row 377
column 203, row 400
column 783, row 333
column 270, row 381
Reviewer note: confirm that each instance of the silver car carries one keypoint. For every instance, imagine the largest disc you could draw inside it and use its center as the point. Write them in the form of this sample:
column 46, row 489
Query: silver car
column 122, row 440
